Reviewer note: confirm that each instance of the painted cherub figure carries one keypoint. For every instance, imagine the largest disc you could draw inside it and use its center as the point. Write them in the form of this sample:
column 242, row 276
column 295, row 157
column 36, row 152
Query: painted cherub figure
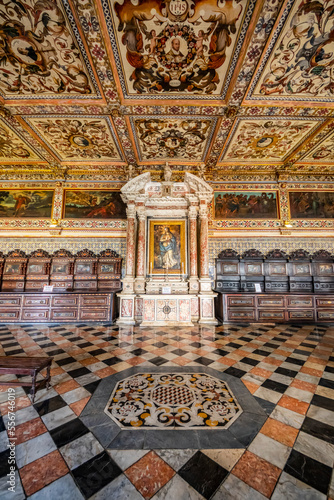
column 201, row 37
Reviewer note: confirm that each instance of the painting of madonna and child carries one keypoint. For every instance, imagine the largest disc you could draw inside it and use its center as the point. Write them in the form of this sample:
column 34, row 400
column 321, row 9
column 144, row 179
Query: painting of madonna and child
column 167, row 247
column 245, row 205
column 311, row 204
column 85, row 204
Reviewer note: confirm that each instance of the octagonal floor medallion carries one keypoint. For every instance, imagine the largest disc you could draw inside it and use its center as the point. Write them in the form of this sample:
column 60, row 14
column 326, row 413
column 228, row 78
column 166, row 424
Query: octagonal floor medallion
column 172, row 400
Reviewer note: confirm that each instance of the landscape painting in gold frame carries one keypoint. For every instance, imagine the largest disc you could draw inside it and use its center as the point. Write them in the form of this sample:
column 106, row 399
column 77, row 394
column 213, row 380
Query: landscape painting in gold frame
column 167, row 247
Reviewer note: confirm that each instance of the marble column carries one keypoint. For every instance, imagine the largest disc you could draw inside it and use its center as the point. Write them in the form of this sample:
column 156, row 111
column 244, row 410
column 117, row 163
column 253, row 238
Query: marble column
column 193, row 278
column 140, row 271
column 204, row 244
column 130, row 250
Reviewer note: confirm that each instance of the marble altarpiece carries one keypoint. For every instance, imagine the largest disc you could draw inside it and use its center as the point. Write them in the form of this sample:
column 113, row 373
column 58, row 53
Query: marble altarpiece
column 167, row 266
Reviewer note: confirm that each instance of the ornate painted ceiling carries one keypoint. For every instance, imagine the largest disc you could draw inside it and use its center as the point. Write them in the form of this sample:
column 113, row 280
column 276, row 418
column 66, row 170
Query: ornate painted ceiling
column 103, row 89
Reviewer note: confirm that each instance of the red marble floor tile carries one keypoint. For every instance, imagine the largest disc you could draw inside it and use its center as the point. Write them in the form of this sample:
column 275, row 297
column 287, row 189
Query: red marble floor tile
column 69, row 385
column 250, row 386
column 43, row 471
column 293, row 404
column 304, row 386
column 88, row 361
column 226, row 361
column 56, row 371
column 317, row 361
column 181, row 361
column 273, row 361
column 149, row 474
column 135, row 361
column 311, row 371
column 21, row 402
column 261, row 372
column 105, row 372
column 29, row 430
column 257, row 473
column 282, row 433
column 78, row 406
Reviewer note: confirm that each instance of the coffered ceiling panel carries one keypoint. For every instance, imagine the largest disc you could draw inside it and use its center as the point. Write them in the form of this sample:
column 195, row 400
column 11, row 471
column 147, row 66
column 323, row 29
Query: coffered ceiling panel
column 298, row 62
column 79, row 138
column 185, row 139
column 323, row 152
column 41, row 54
column 177, row 49
column 266, row 140
column 13, row 148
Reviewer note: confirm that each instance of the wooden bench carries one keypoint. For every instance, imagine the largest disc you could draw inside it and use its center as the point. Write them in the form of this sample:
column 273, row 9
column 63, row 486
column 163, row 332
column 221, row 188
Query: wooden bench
column 26, row 366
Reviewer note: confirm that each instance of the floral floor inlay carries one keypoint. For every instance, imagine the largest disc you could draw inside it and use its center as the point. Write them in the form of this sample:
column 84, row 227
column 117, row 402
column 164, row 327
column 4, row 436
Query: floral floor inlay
column 173, row 400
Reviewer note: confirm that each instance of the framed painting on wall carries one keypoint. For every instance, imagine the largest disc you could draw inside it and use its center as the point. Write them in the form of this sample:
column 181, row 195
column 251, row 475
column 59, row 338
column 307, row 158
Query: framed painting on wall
column 26, row 203
column 167, row 247
column 245, row 205
column 311, row 204
column 93, row 204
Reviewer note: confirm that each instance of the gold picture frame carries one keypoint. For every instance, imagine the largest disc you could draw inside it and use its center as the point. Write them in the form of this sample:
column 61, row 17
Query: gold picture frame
column 167, row 247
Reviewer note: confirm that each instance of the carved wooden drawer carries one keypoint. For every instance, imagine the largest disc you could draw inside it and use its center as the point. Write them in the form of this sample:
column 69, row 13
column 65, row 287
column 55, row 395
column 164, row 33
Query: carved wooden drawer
column 94, row 314
column 299, row 301
column 12, row 285
column 241, row 315
column 9, row 302
column 271, row 315
column 36, row 301
column 65, row 300
column 85, row 285
column 9, row 315
column 36, row 315
column 109, row 285
column 324, row 315
column 241, row 301
column 64, row 314
column 325, row 302
column 95, row 300
column 270, row 302
column 300, row 314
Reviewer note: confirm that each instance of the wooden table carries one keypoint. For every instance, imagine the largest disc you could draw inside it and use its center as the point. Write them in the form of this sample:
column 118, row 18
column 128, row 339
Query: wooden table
column 17, row 365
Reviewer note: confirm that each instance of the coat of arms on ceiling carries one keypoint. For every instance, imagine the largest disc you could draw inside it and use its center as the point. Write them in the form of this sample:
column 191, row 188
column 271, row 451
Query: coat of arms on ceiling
column 39, row 53
column 266, row 139
column 299, row 61
column 172, row 138
column 78, row 139
column 183, row 46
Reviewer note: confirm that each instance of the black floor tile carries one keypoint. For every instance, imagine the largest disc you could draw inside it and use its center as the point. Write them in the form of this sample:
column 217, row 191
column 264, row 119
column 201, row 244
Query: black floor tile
column 295, row 361
column 203, row 474
column 234, row 344
column 308, row 470
column 275, row 386
column 250, row 361
column 179, row 352
column 15, row 352
column 139, row 352
column 261, row 352
column 79, row 372
column 93, row 475
column 318, row 429
column 329, row 369
column 68, row 432
column 266, row 405
column 158, row 361
column 54, row 352
column 286, row 372
column 49, row 405
column 2, row 425
column 65, row 361
column 4, row 466
column 203, row 361
column 235, row 372
column 327, row 404
column 97, row 352
column 326, row 383
column 112, row 361
column 92, row 386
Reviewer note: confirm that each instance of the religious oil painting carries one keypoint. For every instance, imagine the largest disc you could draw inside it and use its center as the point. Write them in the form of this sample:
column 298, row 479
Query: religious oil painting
column 86, row 204
column 167, row 253
column 311, row 204
column 22, row 203
column 245, row 205
column 35, row 268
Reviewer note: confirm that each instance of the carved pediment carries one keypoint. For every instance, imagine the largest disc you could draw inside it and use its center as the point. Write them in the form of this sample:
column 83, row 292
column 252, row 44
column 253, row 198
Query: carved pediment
column 17, row 253
column 62, row 253
column 252, row 254
column 322, row 255
column 228, row 253
column 109, row 253
column 299, row 254
column 85, row 253
column 276, row 254
column 39, row 253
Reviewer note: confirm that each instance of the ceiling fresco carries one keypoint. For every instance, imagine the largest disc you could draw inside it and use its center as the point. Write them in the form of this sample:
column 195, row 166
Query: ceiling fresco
column 78, row 138
column 105, row 90
column 298, row 63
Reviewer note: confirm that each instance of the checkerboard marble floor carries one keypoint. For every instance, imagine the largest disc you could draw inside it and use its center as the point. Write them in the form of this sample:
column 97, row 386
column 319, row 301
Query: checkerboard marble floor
column 288, row 369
